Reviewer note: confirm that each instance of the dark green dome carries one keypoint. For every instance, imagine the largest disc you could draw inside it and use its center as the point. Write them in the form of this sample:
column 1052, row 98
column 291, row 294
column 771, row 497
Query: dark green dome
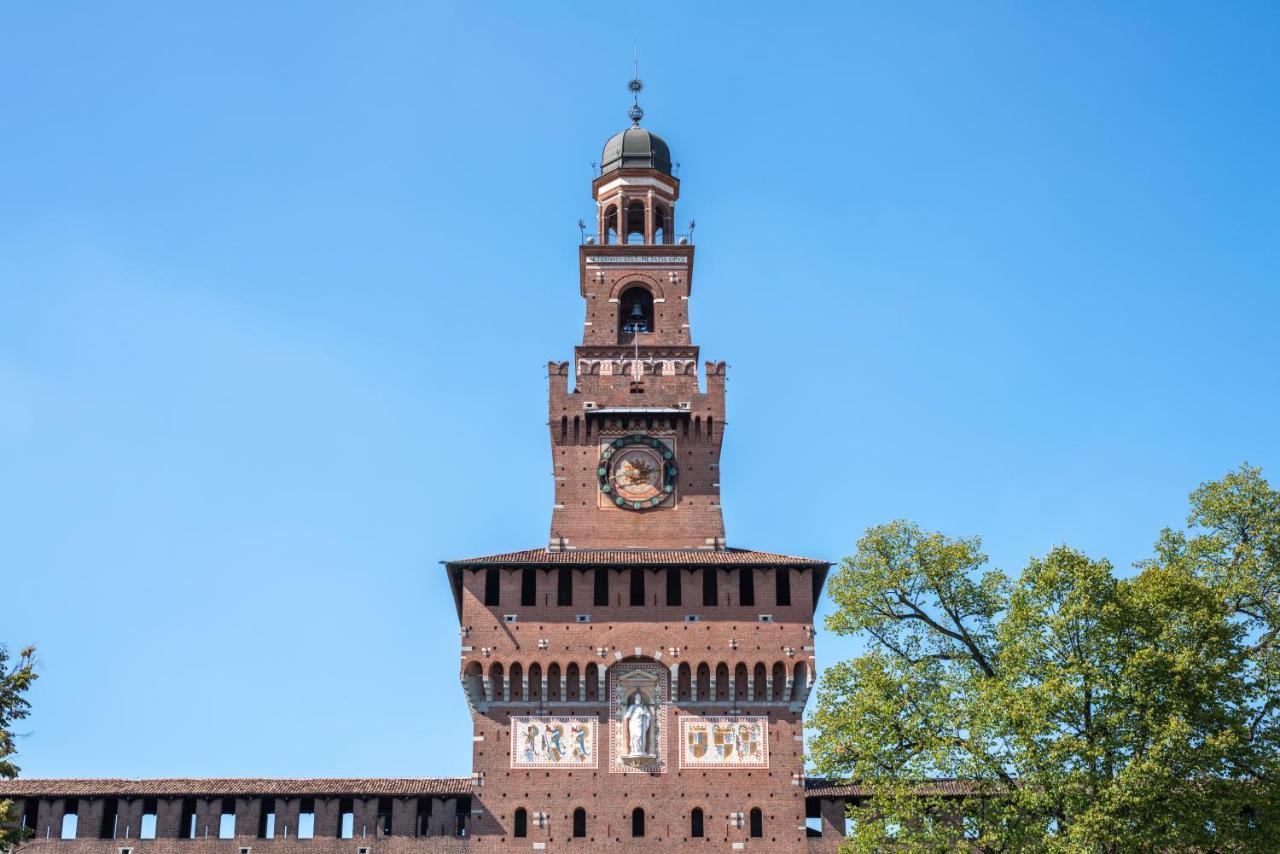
column 635, row 148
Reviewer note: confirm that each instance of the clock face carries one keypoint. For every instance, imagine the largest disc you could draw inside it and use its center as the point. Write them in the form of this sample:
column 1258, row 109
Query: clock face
column 637, row 472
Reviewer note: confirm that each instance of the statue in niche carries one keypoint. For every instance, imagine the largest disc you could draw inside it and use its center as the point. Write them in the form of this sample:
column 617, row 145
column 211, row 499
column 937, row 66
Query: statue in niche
column 638, row 726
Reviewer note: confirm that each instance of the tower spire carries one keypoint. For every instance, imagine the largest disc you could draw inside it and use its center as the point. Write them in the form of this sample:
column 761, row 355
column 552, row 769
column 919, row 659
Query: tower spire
column 634, row 86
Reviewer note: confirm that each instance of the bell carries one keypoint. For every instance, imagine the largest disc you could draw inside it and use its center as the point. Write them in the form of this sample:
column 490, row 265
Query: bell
column 637, row 313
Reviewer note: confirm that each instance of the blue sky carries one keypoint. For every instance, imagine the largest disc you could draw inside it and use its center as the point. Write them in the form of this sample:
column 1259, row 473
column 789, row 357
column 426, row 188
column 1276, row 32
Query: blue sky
column 278, row 283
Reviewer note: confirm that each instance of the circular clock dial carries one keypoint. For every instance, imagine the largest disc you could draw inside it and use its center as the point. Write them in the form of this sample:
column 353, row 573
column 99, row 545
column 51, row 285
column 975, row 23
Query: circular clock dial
column 637, row 472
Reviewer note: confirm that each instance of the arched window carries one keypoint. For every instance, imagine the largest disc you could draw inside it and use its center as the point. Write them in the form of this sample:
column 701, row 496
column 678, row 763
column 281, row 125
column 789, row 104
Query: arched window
column 704, row 683
column 635, row 311
column 684, row 683
column 520, row 826
column 496, row 682
column 611, row 224
column 760, row 675
column 779, row 682
column 579, row 823
column 635, row 222
column 801, row 683
column 573, row 683
column 475, row 683
column 593, row 681
column 757, row 822
column 535, row 681
column 661, row 225
column 695, row 823
column 722, row 681
column 515, row 677
column 740, row 682
column 637, row 822
column 553, row 682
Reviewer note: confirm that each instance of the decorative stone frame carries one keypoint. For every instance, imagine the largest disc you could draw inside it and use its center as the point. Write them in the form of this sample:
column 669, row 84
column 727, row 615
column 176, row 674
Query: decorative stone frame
column 621, row 681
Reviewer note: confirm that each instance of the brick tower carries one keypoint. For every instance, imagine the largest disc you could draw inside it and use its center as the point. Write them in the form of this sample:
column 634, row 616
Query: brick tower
column 636, row 684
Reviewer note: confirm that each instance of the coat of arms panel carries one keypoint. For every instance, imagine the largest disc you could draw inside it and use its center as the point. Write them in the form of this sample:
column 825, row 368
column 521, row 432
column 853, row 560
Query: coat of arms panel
column 738, row 742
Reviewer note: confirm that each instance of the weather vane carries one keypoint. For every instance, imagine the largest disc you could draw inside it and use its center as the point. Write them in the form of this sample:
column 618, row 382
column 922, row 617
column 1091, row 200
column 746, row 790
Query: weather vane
column 634, row 86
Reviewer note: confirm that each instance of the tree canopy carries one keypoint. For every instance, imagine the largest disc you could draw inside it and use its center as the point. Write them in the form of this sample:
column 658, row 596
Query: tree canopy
column 1087, row 712
column 15, row 679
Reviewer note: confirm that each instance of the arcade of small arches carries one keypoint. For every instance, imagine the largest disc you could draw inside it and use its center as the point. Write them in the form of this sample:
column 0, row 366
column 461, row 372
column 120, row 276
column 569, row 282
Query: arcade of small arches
column 637, row 220
column 636, row 822
column 740, row 684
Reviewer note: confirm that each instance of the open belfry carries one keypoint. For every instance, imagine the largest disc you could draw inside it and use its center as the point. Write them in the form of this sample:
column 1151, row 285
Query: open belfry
column 635, row 683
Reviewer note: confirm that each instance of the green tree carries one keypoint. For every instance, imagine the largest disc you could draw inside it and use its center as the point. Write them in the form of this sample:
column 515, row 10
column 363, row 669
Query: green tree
column 15, row 679
column 1084, row 712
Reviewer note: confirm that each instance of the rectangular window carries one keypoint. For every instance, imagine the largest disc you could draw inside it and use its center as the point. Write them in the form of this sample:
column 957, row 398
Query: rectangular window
column 464, row 816
column 747, row 586
column 492, row 583
column 602, row 587
column 307, row 819
column 187, row 824
column 267, row 819
column 227, row 819
column 637, row 587
column 424, row 816
column 782, row 580
column 108, row 828
column 710, row 592
column 30, row 811
column 564, row 587
column 347, row 819
column 384, row 816
column 528, row 587
column 673, row 586
column 147, row 827
column 70, row 819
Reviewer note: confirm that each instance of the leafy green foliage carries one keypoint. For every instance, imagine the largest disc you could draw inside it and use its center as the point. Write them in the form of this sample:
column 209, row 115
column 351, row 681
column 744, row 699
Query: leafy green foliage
column 15, row 679
column 1083, row 711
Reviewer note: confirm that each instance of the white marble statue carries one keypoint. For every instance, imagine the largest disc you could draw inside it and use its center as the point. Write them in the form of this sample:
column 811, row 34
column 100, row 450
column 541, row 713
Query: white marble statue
column 638, row 721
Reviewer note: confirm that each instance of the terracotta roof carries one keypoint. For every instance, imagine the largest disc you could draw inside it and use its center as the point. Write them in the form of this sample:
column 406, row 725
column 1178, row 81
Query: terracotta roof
column 245, row 786
column 818, row 788
column 647, row 557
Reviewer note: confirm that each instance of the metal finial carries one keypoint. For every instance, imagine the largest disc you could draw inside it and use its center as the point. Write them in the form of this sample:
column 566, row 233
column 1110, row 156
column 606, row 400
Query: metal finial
column 635, row 85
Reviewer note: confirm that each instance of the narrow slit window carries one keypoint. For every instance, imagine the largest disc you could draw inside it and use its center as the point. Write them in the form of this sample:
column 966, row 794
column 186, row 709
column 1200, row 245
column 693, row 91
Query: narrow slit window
column 528, row 587
column 602, row 587
column 782, row 581
column 564, row 586
column 673, row 585
column 492, row 587
column 637, row 587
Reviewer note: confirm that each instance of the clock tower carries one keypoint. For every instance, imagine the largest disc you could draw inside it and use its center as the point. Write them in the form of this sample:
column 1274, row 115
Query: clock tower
column 636, row 444
column 636, row 683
